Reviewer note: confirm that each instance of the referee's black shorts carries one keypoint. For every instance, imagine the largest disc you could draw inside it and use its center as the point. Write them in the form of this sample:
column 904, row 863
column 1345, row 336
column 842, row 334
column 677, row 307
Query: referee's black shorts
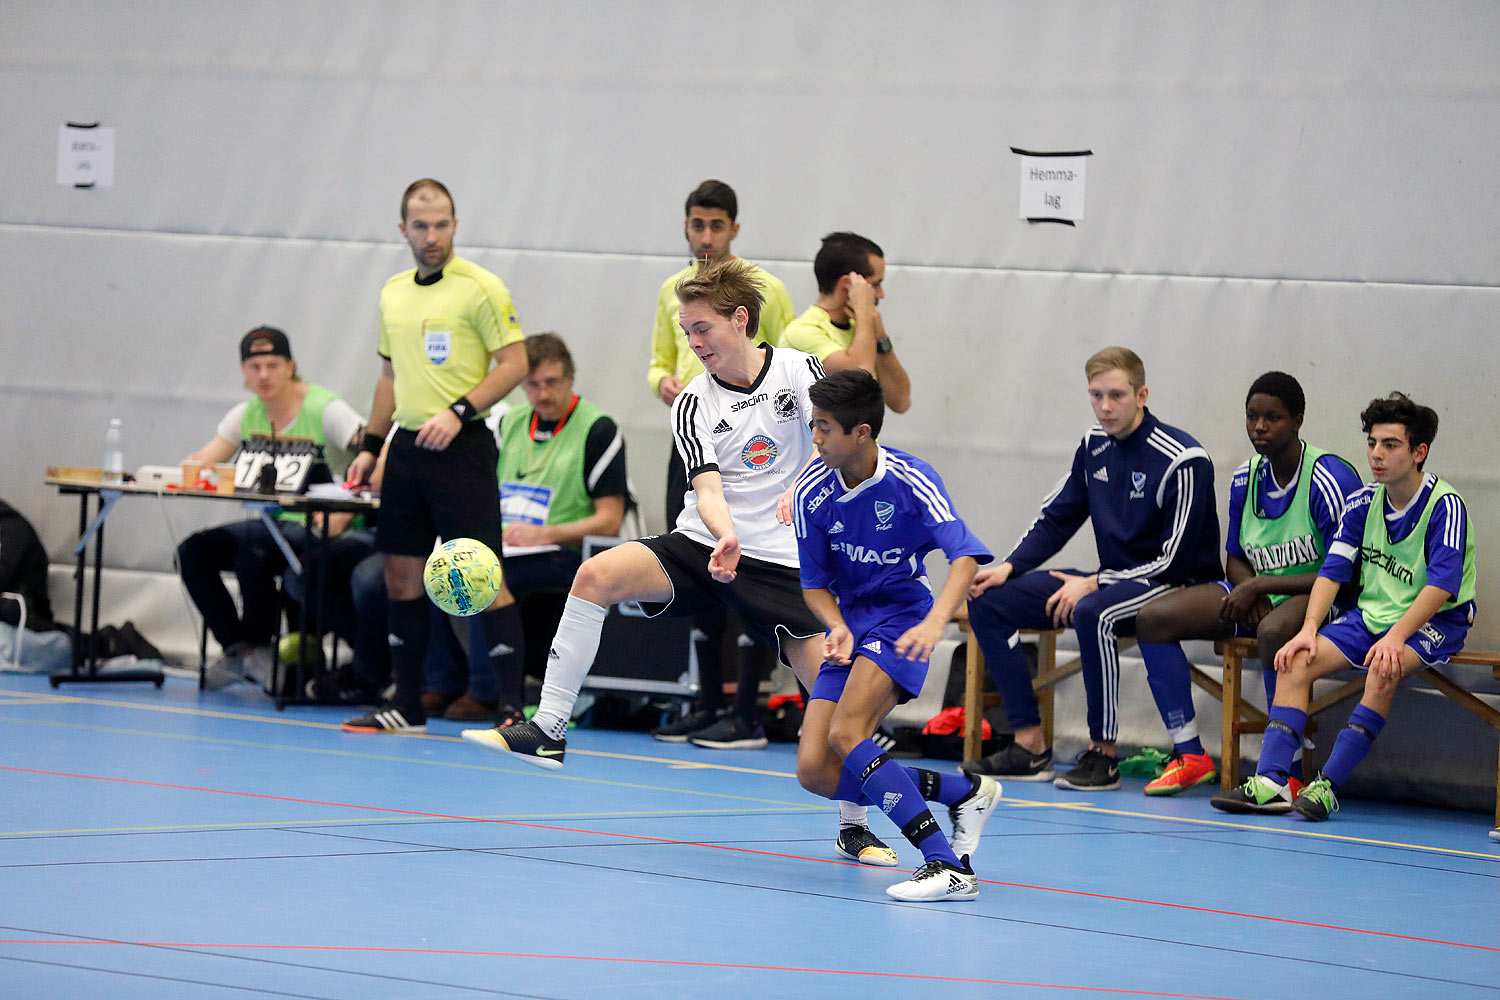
column 426, row 495
column 766, row 597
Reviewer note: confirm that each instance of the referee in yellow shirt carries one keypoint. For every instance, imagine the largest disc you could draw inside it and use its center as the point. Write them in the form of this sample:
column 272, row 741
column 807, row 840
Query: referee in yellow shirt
column 450, row 348
column 844, row 328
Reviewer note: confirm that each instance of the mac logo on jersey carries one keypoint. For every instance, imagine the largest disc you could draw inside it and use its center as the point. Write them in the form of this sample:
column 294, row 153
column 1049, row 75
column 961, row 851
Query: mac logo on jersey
column 759, row 453
column 785, row 405
column 1138, row 480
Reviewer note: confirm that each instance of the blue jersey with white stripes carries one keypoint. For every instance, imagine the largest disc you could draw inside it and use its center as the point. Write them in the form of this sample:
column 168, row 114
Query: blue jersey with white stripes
column 1334, row 481
column 1447, row 535
column 1150, row 497
column 866, row 544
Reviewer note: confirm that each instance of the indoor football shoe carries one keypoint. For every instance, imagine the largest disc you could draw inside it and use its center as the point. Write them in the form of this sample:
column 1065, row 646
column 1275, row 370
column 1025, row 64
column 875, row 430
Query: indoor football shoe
column 386, row 719
column 1259, row 794
column 857, row 843
column 1014, row 763
column 969, row 814
column 1183, row 771
column 1316, row 801
column 1095, row 771
column 689, row 725
column 938, row 882
column 525, row 740
column 730, row 733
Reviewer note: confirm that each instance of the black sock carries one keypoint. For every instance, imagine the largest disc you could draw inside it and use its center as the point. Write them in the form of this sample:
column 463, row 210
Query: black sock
column 506, row 642
column 747, row 689
column 408, row 639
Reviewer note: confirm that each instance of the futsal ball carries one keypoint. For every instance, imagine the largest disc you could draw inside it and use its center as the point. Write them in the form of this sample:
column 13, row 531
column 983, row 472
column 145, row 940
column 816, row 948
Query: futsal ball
column 462, row 576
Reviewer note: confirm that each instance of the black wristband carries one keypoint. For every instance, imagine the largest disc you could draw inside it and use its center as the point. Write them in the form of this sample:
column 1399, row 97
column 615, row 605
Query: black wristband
column 463, row 409
column 371, row 443
column 884, row 346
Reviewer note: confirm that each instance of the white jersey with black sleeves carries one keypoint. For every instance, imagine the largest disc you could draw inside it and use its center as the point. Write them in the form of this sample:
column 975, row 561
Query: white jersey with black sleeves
column 757, row 438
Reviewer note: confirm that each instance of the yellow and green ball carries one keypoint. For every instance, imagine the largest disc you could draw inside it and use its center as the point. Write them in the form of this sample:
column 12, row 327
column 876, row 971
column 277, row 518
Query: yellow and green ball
column 462, row 576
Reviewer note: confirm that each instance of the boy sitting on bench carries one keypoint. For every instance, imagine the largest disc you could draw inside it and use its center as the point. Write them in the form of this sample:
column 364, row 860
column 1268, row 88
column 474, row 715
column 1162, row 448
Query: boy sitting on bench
column 1408, row 535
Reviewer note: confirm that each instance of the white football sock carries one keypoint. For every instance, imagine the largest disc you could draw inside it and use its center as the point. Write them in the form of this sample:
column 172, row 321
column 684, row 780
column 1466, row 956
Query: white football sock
column 568, row 663
column 853, row 814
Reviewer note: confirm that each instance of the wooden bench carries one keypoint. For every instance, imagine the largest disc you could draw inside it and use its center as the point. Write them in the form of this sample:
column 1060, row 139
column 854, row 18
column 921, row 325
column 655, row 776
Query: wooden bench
column 1240, row 718
column 1049, row 673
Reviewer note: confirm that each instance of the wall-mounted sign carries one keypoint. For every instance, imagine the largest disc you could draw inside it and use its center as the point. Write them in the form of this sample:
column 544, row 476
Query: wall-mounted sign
column 85, row 155
column 1052, row 185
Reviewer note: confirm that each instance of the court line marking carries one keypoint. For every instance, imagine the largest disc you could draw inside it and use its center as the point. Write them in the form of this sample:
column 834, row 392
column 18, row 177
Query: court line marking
column 209, row 713
column 739, row 850
column 1284, row 831
column 524, row 770
column 620, row 960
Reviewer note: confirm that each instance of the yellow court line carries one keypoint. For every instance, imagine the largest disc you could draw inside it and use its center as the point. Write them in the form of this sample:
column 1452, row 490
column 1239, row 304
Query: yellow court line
column 1289, row 831
column 390, row 821
column 1293, row 832
column 334, row 727
column 521, row 770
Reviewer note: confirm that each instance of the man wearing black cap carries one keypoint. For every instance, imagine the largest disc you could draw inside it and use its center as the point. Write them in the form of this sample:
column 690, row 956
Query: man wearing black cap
column 290, row 407
column 450, row 348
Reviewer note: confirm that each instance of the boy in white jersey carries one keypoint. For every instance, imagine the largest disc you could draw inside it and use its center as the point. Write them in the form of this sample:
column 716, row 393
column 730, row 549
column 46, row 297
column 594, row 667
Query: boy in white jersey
column 866, row 516
column 1408, row 536
column 742, row 430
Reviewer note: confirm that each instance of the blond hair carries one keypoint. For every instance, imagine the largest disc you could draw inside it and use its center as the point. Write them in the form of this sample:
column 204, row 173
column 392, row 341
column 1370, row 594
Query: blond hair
column 1111, row 359
column 726, row 286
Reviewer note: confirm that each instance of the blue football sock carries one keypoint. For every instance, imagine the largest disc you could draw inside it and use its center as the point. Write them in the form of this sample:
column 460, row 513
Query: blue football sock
column 1192, row 746
column 851, row 789
column 888, row 784
column 1170, row 677
column 937, row 786
column 1283, row 736
column 1353, row 743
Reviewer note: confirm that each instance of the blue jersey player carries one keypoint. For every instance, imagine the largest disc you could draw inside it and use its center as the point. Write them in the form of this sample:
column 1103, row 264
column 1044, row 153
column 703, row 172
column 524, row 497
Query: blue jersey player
column 1148, row 490
column 1284, row 507
column 865, row 517
column 1407, row 534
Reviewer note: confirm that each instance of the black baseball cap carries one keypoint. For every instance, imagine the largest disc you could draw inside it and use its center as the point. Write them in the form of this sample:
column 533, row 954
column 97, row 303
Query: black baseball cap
column 265, row 340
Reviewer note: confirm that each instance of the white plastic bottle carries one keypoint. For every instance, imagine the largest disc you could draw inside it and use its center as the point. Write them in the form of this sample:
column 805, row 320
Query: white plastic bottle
column 114, row 453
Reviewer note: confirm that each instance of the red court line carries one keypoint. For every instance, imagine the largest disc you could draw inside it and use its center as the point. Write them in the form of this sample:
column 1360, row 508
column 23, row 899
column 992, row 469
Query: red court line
column 681, row 963
column 746, row 850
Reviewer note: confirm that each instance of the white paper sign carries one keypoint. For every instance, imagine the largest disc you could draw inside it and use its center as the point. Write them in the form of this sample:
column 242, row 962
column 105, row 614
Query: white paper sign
column 1052, row 187
column 85, row 156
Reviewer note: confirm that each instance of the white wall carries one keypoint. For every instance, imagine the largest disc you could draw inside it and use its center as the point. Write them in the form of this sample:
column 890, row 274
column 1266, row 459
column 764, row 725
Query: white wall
column 1306, row 187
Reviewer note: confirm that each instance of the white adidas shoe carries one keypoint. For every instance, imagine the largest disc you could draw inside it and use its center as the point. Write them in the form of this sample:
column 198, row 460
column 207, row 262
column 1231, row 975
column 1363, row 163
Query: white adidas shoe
column 969, row 815
column 938, row 882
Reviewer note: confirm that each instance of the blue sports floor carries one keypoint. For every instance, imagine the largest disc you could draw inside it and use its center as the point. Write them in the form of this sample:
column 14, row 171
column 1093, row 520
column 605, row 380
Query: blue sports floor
column 171, row 844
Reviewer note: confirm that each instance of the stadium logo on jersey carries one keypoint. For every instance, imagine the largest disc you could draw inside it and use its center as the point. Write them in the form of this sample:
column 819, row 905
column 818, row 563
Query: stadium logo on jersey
column 438, row 343
column 722, row 427
column 1138, row 480
column 759, row 452
column 754, row 400
column 837, row 529
column 1102, row 475
column 817, row 501
column 873, row 646
column 785, row 405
